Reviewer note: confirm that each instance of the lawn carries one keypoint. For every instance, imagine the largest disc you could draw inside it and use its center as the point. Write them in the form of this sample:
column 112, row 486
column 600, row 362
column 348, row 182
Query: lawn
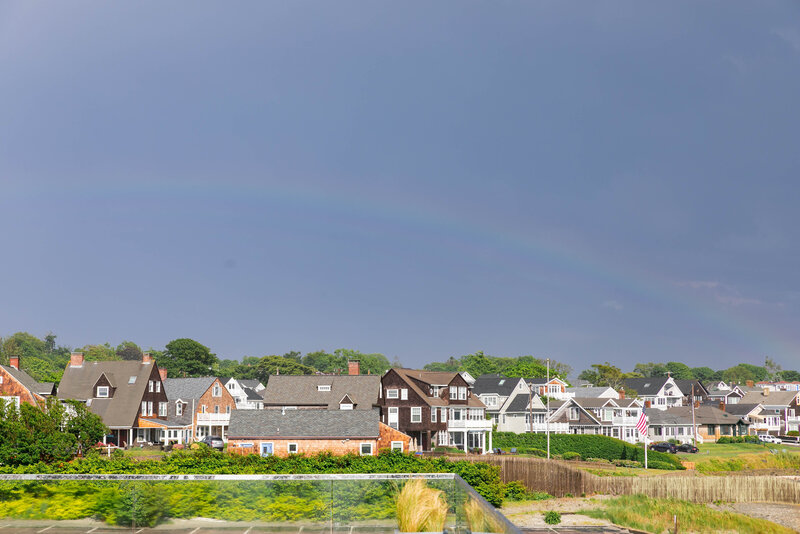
column 657, row 515
column 743, row 456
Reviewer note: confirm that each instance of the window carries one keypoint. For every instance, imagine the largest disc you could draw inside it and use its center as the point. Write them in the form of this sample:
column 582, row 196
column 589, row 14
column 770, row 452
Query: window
column 462, row 393
column 444, row 415
column 292, row 448
column 217, row 391
column 202, row 408
column 453, row 393
column 455, row 414
column 573, row 414
column 132, row 380
column 158, row 387
column 162, row 409
column 366, row 449
column 404, row 394
column 416, row 414
column 227, row 409
column 397, row 446
column 150, row 386
column 102, row 391
column 216, row 408
column 179, row 408
column 433, row 415
column 144, row 408
column 345, row 406
column 230, row 386
column 324, row 387
column 149, row 407
column 491, row 401
column 392, row 394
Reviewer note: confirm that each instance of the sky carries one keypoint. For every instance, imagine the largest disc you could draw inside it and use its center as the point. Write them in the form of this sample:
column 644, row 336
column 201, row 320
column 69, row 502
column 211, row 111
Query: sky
column 587, row 182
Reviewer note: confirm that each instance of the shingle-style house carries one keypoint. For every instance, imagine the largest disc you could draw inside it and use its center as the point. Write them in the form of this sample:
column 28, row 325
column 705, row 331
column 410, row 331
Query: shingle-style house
column 555, row 388
column 712, row 423
column 332, row 392
column 435, row 409
column 246, row 393
column 782, row 405
column 497, row 392
column 597, row 392
column 722, row 392
column 693, row 391
column 311, row 431
column 598, row 415
column 17, row 386
column 656, row 392
column 200, row 406
column 122, row 393
column 517, row 411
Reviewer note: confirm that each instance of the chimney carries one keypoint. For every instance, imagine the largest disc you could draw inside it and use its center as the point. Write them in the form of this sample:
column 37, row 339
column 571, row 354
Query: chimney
column 353, row 367
column 76, row 359
column 147, row 357
column 162, row 373
column 621, row 393
column 749, row 383
column 13, row 361
column 647, row 404
column 722, row 406
column 766, row 392
column 697, row 404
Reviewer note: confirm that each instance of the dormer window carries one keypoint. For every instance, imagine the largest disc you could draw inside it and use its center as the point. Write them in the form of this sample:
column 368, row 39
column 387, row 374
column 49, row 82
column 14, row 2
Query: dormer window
column 179, row 408
column 102, row 392
column 324, row 387
column 217, row 391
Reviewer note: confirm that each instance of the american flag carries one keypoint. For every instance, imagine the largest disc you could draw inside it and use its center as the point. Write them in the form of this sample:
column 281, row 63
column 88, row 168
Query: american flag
column 641, row 424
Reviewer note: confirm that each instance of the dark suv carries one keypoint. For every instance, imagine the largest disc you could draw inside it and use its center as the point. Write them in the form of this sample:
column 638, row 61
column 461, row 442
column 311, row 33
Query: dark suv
column 687, row 447
column 214, row 442
column 664, row 446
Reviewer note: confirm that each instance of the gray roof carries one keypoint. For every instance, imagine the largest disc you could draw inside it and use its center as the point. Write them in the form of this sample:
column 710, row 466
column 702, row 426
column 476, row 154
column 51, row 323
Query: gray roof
column 586, row 392
column 740, row 409
column 682, row 415
column 44, row 389
column 280, row 424
column 252, row 394
column 122, row 409
column 249, row 383
column 593, row 402
column 187, row 388
column 520, row 404
column 301, row 390
column 774, row 398
column 645, row 386
column 494, row 384
column 686, row 386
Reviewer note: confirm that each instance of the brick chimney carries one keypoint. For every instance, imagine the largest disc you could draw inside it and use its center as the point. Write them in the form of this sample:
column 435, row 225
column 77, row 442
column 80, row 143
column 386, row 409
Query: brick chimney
column 13, row 361
column 621, row 393
column 749, row 383
column 76, row 359
column 722, row 406
column 147, row 357
column 353, row 367
column 162, row 373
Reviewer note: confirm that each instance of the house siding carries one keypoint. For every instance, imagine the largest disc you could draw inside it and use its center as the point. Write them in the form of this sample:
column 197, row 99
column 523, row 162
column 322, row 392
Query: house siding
column 12, row 388
column 425, row 428
column 309, row 447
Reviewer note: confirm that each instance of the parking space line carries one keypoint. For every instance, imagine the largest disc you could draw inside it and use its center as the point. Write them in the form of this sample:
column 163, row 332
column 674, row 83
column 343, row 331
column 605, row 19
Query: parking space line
column 248, row 530
column 90, row 531
column 46, row 528
column 195, row 530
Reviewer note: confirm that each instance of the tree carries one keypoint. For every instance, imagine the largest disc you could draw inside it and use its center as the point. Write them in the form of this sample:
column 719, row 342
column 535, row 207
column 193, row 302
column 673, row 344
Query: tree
column 450, row 366
column 99, row 353
column 704, row 374
column 772, row 368
column 50, row 342
column 187, row 357
column 294, row 355
column 128, row 350
column 651, row 369
column 272, row 365
column 374, row 363
column 88, row 428
column 35, row 434
column 679, row 371
column 605, row 374
column 478, row 364
column 320, row 360
column 789, row 376
column 527, row 367
column 743, row 372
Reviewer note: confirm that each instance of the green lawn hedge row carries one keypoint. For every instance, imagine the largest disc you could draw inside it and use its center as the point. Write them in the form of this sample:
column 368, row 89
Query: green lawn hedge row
column 588, row 446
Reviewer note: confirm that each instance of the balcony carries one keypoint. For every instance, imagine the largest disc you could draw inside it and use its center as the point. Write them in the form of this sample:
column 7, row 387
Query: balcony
column 213, row 418
column 469, row 424
column 624, row 421
column 554, row 427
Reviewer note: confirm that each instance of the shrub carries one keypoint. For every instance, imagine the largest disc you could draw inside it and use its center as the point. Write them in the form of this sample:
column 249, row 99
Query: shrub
column 533, row 451
column 794, row 433
column 574, row 456
column 660, row 465
column 516, row 491
column 552, row 517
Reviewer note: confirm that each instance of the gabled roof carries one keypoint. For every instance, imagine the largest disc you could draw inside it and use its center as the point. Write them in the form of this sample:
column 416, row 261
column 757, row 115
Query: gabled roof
column 645, row 386
column 496, row 383
column 775, row 398
column 121, row 410
column 433, row 378
column 570, row 403
column 594, row 402
column 742, row 410
column 587, row 392
column 287, row 424
column 682, row 415
column 686, row 386
column 520, row 404
column 43, row 389
column 252, row 395
column 301, row 390
column 250, row 383
column 187, row 389
column 542, row 381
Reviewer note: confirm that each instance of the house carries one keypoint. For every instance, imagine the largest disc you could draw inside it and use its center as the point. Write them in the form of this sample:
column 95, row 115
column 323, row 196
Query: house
column 655, row 392
column 246, row 393
column 202, row 405
column 122, row 393
column 311, row 431
column 496, row 391
column 435, row 408
column 516, row 413
column 710, row 423
column 779, row 407
column 598, row 392
column 722, row 392
column 693, row 391
column 598, row 415
column 331, row 392
column 17, row 386
column 555, row 388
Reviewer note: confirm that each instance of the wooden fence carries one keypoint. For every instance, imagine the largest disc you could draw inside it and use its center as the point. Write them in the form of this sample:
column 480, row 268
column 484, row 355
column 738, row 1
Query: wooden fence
column 558, row 479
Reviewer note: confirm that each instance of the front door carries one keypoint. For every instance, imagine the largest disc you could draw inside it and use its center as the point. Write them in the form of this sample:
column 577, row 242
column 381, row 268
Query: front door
column 393, row 418
column 266, row 449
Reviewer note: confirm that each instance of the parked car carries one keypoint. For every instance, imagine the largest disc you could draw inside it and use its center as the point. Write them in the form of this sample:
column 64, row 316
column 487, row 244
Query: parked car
column 767, row 438
column 687, row 447
column 214, row 442
column 664, row 446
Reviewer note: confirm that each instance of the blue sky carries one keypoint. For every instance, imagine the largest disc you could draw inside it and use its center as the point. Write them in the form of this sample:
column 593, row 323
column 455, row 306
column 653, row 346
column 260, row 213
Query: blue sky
column 581, row 181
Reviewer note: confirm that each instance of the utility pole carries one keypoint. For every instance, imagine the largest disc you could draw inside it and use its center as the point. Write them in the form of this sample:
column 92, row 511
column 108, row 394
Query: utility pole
column 547, row 421
column 694, row 424
column 530, row 406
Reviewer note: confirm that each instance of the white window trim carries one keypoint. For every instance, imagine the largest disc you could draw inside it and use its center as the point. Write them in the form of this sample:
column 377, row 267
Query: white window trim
column 346, row 406
column 419, row 412
column 107, row 390
column 361, row 449
column 433, row 416
column 392, row 393
column 216, row 391
column 164, row 406
column 289, row 448
column 394, row 443
column 150, row 386
column 324, row 387
column 404, row 394
column 158, row 387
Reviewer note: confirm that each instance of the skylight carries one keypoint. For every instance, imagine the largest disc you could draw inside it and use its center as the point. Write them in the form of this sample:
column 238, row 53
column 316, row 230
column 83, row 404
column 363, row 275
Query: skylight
column 132, row 380
column 501, row 382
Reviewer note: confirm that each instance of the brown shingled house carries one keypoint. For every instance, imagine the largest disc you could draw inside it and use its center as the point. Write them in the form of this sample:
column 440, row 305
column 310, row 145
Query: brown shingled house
column 435, row 409
column 17, row 386
column 120, row 392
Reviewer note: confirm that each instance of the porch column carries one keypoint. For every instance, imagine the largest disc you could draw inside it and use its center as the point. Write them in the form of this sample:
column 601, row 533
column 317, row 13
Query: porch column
column 466, row 444
column 490, row 441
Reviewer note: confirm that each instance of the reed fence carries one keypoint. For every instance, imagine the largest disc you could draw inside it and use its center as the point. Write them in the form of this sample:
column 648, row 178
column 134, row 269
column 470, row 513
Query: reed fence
column 558, row 479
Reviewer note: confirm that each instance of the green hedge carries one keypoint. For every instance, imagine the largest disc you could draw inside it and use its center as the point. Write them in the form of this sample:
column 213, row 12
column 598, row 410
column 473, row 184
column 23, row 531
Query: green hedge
column 588, row 446
column 738, row 439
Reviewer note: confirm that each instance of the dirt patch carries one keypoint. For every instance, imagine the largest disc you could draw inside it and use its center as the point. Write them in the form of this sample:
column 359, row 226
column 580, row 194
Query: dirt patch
column 787, row 515
column 531, row 514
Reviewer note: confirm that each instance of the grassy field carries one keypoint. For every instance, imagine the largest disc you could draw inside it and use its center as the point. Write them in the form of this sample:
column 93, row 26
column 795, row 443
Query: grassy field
column 656, row 515
column 715, row 457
